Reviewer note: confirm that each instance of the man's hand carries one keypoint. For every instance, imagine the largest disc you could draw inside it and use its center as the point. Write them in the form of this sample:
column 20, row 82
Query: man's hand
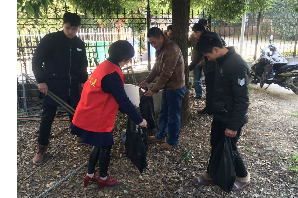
column 143, row 84
column 230, row 133
column 149, row 93
column 190, row 68
column 43, row 88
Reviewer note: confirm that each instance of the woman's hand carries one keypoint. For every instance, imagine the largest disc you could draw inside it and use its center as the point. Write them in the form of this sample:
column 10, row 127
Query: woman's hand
column 143, row 123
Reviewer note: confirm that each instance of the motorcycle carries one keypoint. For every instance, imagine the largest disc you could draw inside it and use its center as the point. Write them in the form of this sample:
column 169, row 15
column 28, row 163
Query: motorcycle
column 272, row 67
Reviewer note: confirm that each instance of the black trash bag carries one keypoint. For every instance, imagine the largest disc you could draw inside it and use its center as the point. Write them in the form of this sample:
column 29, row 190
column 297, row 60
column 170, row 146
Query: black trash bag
column 222, row 167
column 136, row 145
column 147, row 110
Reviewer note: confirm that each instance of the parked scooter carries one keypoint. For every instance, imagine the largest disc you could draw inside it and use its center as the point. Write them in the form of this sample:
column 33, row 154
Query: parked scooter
column 272, row 67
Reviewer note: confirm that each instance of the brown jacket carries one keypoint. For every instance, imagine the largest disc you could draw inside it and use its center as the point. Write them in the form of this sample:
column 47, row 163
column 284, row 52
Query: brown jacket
column 192, row 42
column 169, row 67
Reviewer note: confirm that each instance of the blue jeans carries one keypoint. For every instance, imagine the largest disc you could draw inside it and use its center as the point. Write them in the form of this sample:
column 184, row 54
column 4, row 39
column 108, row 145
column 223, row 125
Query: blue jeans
column 169, row 120
column 197, row 72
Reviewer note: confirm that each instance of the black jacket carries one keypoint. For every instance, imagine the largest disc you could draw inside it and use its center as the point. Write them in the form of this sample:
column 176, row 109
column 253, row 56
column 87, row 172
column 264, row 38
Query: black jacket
column 231, row 98
column 61, row 63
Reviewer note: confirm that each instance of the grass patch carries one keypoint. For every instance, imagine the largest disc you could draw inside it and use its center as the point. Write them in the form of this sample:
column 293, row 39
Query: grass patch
column 293, row 163
column 295, row 114
column 187, row 156
column 249, row 149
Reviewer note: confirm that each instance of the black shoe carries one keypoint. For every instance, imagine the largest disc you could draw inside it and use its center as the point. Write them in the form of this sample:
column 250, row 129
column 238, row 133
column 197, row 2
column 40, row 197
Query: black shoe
column 203, row 111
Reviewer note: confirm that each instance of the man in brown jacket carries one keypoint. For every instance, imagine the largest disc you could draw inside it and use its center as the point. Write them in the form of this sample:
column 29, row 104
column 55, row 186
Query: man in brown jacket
column 169, row 68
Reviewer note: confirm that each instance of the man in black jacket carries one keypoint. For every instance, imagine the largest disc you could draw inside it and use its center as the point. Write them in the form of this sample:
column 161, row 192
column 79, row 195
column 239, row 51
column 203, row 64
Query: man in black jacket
column 59, row 65
column 230, row 102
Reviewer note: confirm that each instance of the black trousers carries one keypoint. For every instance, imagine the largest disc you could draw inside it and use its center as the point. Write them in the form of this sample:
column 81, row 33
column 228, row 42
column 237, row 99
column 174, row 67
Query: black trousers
column 217, row 133
column 47, row 118
column 209, row 81
column 101, row 155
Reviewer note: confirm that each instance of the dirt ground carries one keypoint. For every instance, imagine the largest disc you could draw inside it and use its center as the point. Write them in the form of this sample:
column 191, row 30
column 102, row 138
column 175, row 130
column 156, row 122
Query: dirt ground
column 267, row 144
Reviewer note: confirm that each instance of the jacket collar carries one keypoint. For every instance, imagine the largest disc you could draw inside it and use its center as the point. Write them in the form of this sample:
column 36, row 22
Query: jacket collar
column 112, row 60
column 231, row 51
column 165, row 40
column 64, row 36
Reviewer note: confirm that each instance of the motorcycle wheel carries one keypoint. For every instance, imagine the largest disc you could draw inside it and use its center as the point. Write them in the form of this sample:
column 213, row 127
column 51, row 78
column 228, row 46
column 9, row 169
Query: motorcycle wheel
column 253, row 78
column 265, row 75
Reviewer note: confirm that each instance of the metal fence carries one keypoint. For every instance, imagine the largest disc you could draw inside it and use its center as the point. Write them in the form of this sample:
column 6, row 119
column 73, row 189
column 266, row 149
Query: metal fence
column 99, row 32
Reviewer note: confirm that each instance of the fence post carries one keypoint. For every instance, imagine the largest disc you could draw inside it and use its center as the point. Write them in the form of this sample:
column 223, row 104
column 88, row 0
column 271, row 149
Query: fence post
column 296, row 38
column 148, row 44
column 242, row 34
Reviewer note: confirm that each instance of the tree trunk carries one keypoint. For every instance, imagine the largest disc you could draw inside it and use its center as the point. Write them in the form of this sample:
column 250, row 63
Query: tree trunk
column 181, row 9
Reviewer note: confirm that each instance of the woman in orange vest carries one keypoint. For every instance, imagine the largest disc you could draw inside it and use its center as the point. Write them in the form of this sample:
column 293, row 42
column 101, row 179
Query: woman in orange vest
column 103, row 94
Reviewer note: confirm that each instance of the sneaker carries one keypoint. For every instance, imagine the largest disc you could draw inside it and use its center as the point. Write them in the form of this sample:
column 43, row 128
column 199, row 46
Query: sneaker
column 241, row 182
column 108, row 182
column 155, row 139
column 37, row 159
column 87, row 179
column 203, row 180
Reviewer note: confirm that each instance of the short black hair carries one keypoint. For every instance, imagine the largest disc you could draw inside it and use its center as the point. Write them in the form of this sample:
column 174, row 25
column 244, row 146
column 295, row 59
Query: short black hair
column 170, row 27
column 155, row 32
column 72, row 18
column 121, row 50
column 207, row 41
column 203, row 22
column 198, row 27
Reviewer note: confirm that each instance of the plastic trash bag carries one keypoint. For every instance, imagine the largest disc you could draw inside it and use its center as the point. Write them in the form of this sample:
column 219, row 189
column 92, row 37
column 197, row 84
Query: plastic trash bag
column 136, row 145
column 147, row 110
column 222, row 167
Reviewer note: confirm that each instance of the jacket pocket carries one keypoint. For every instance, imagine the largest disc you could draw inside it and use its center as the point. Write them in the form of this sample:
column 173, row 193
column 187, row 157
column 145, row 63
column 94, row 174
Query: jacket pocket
column 219, row 108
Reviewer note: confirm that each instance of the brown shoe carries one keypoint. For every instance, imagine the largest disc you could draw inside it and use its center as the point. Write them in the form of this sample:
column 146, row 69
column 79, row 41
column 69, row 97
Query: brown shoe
column 40, row 154
column 153, row 138
column 166, row 145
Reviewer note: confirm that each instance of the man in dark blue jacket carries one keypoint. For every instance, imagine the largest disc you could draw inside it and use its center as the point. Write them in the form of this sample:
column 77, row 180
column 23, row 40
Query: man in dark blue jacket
column 230, row 102
column 59, row 65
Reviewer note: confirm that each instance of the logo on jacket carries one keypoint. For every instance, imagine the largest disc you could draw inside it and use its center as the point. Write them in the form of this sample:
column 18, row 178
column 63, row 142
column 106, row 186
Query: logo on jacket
column 79, row 50
column 241, row 82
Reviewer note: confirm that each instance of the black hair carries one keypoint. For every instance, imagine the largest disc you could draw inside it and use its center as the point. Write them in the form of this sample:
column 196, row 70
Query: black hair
column 121, row 50
column 207, row 41
column 73, row 19
column 203, row 22
column 155, row 32
column 198, row 27
column 170, row 27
